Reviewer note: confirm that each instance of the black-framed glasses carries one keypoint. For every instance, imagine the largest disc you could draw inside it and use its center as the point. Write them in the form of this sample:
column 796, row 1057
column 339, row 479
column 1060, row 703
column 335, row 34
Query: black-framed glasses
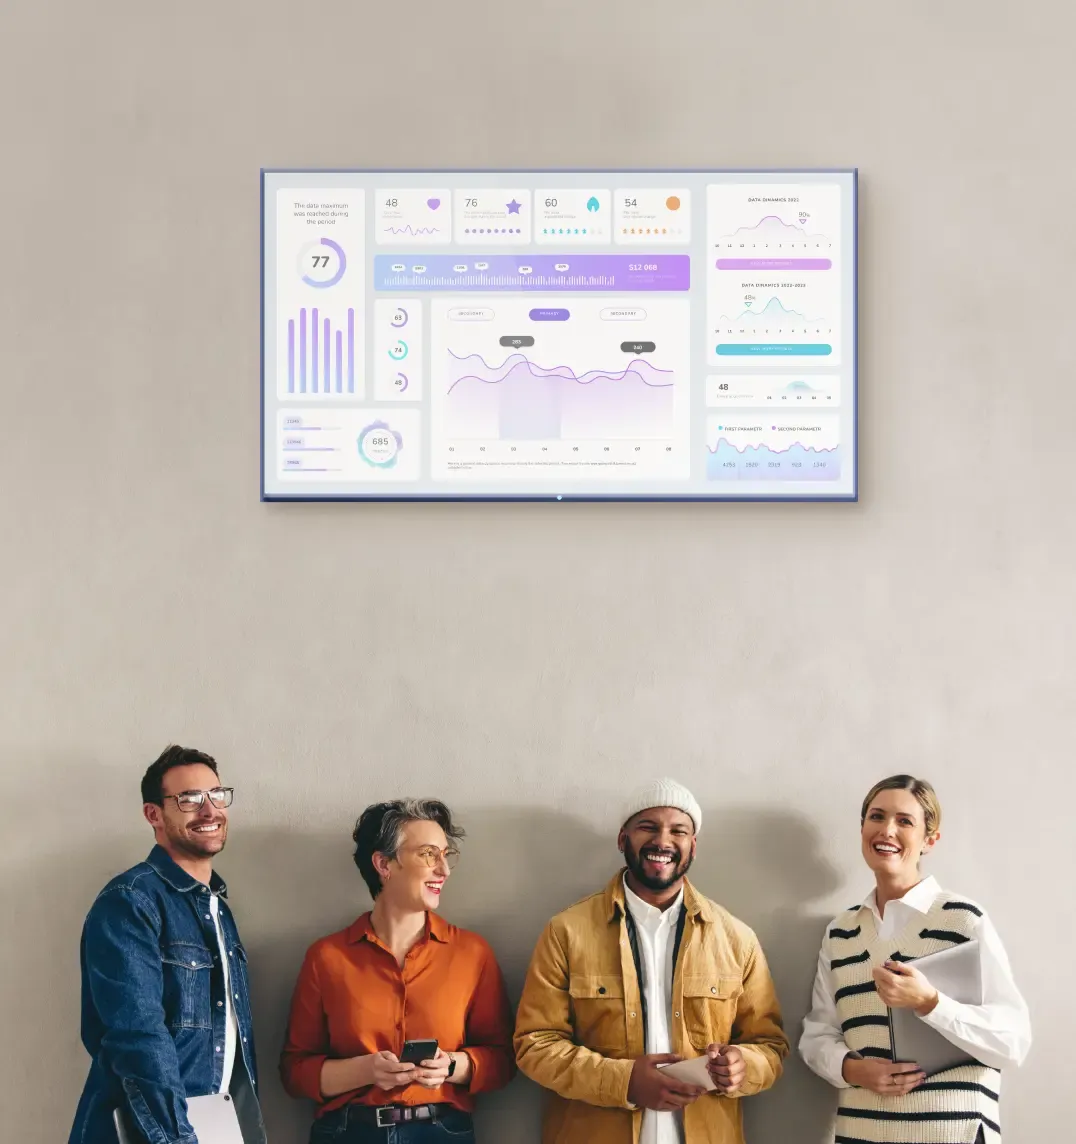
column 191, row 800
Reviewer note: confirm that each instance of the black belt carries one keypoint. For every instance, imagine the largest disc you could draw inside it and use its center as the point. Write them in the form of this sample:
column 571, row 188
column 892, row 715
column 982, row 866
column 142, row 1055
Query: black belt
column 385, row 1115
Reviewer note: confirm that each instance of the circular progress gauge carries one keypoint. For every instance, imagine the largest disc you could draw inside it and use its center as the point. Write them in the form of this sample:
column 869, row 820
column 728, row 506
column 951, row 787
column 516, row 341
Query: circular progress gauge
column 322, row 263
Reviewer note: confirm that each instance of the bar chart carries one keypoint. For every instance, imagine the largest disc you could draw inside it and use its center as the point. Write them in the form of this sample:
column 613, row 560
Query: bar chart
column 321, row 354
column 320, row 294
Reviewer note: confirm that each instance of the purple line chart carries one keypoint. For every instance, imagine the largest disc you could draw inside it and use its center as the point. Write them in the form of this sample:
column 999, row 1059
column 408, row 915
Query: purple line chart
column 549, row 402
column 774, row 227
column 412, row 217
column 538, row 385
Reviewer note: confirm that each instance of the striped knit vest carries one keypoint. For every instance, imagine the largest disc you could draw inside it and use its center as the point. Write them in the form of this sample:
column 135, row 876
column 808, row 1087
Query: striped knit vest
column 950, row 1106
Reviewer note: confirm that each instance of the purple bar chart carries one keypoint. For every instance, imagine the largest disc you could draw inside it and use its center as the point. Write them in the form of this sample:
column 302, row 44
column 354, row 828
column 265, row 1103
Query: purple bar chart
column 321, row 354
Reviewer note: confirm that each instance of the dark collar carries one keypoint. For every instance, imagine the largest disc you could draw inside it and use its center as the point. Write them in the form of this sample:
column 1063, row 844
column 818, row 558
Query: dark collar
column 178, row 878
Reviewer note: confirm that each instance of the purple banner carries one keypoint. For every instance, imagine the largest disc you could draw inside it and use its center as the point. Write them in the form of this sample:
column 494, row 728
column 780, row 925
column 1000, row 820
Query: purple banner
column 774, row 264
column 495, row 272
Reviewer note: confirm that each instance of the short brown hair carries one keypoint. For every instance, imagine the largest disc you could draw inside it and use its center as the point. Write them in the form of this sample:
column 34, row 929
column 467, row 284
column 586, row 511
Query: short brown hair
column 920, row 788
column 173, row 756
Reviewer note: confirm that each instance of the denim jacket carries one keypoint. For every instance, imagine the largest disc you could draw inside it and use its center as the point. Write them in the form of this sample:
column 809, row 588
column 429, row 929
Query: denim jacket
column 153, row 1017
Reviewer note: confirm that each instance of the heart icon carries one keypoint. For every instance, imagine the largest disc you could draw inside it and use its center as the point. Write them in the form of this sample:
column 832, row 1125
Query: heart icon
column 433, row 204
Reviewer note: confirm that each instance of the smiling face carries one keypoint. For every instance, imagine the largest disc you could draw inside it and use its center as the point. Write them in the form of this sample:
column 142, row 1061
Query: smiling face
column 894, row 835
column 409, row 882
column 658, row 846
column 196, row 834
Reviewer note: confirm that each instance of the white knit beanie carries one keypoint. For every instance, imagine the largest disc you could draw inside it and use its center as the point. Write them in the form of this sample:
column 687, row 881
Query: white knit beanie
column 664, row 792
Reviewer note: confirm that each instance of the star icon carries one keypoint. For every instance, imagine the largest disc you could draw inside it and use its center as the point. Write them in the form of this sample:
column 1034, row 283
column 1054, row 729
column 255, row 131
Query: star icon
column 513, row 207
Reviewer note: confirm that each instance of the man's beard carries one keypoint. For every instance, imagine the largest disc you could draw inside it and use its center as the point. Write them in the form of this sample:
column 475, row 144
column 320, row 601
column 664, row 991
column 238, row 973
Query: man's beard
column 196, row 846
column 662, row 881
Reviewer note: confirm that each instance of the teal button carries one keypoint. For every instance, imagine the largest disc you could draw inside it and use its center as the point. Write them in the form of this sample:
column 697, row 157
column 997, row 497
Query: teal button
column 773, row 349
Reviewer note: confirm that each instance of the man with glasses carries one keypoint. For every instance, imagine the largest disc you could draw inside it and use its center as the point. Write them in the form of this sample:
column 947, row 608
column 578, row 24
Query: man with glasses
column 165, row 1006
column 399, row 1021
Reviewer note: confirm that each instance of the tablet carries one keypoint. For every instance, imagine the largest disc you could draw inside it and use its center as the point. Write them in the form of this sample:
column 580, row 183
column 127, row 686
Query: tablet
column 957, row 973
column 213, row 1119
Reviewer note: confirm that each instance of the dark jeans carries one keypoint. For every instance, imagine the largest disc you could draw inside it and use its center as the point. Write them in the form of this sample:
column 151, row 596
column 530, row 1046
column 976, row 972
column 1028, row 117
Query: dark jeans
column 340, row 1128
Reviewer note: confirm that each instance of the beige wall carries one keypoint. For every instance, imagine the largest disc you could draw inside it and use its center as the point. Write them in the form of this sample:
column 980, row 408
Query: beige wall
column 527, row 661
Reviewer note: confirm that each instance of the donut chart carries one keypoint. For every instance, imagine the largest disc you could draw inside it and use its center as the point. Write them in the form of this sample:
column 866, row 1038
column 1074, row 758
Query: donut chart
column 333, row 263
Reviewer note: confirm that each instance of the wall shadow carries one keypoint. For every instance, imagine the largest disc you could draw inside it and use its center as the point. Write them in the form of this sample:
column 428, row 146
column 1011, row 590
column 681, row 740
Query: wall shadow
column 44, row 903
column 520, row 866
column 768, row 867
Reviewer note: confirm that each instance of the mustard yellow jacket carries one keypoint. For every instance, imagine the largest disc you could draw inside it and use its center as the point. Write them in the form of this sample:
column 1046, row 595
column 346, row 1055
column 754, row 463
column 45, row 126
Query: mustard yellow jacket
column 580, row 1020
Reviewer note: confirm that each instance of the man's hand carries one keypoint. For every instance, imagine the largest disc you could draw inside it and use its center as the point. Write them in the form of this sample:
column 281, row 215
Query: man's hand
column 433, row 1073
column 387, row 1072
column 727, row 1067
column 902, row 986
column 886, row 1078
column 651, row 1088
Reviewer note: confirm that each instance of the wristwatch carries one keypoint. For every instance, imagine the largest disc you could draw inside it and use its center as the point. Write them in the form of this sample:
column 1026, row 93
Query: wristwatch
column 451, row 1065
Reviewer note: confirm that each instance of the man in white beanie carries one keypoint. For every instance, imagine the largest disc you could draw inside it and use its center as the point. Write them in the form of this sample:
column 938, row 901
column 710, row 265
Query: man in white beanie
column 645, row 973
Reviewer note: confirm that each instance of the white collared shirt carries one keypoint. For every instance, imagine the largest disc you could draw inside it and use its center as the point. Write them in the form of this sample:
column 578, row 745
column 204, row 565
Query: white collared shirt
column 998, row 1032
column 656, row 930
column 231, row 1028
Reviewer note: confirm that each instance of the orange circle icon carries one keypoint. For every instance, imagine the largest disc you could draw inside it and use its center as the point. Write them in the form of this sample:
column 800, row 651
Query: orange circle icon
column 673, row 203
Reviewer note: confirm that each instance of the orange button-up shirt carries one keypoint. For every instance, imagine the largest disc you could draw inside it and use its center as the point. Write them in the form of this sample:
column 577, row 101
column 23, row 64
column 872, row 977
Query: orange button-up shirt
column 352, row 998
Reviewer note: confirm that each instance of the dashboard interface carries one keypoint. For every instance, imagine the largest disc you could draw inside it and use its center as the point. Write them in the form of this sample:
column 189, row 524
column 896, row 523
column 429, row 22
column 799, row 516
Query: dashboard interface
column 559, row 335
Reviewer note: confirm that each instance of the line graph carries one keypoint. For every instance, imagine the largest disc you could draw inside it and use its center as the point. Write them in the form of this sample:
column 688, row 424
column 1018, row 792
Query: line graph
column 768, row 447
column 763, row 319
column 761, row 463
column 535, row 386
column 495, row 375
column 770, row 391
column 773, row 228
column 774, row 315
column 797, row 215
column 410, row 216
column 412, row 232
column 524, row 400
column 794, row 227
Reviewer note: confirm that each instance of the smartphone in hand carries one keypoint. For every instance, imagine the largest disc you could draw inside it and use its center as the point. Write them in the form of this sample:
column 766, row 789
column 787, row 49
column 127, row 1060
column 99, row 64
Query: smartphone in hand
column 415, row 1052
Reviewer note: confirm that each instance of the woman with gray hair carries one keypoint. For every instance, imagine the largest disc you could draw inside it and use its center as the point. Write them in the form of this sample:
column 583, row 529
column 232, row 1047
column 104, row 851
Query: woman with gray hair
column 399, row 975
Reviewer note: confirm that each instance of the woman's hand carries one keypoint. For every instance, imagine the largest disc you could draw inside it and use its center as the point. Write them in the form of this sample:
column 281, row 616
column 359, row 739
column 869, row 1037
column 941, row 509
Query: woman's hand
column 434, row 1073
column 387, row 1072
column 382, row 1070
column 886, row 1078
column 902, row 986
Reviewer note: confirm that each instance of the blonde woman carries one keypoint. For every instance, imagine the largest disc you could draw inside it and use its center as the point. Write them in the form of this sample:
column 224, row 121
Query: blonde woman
column 867, row 965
